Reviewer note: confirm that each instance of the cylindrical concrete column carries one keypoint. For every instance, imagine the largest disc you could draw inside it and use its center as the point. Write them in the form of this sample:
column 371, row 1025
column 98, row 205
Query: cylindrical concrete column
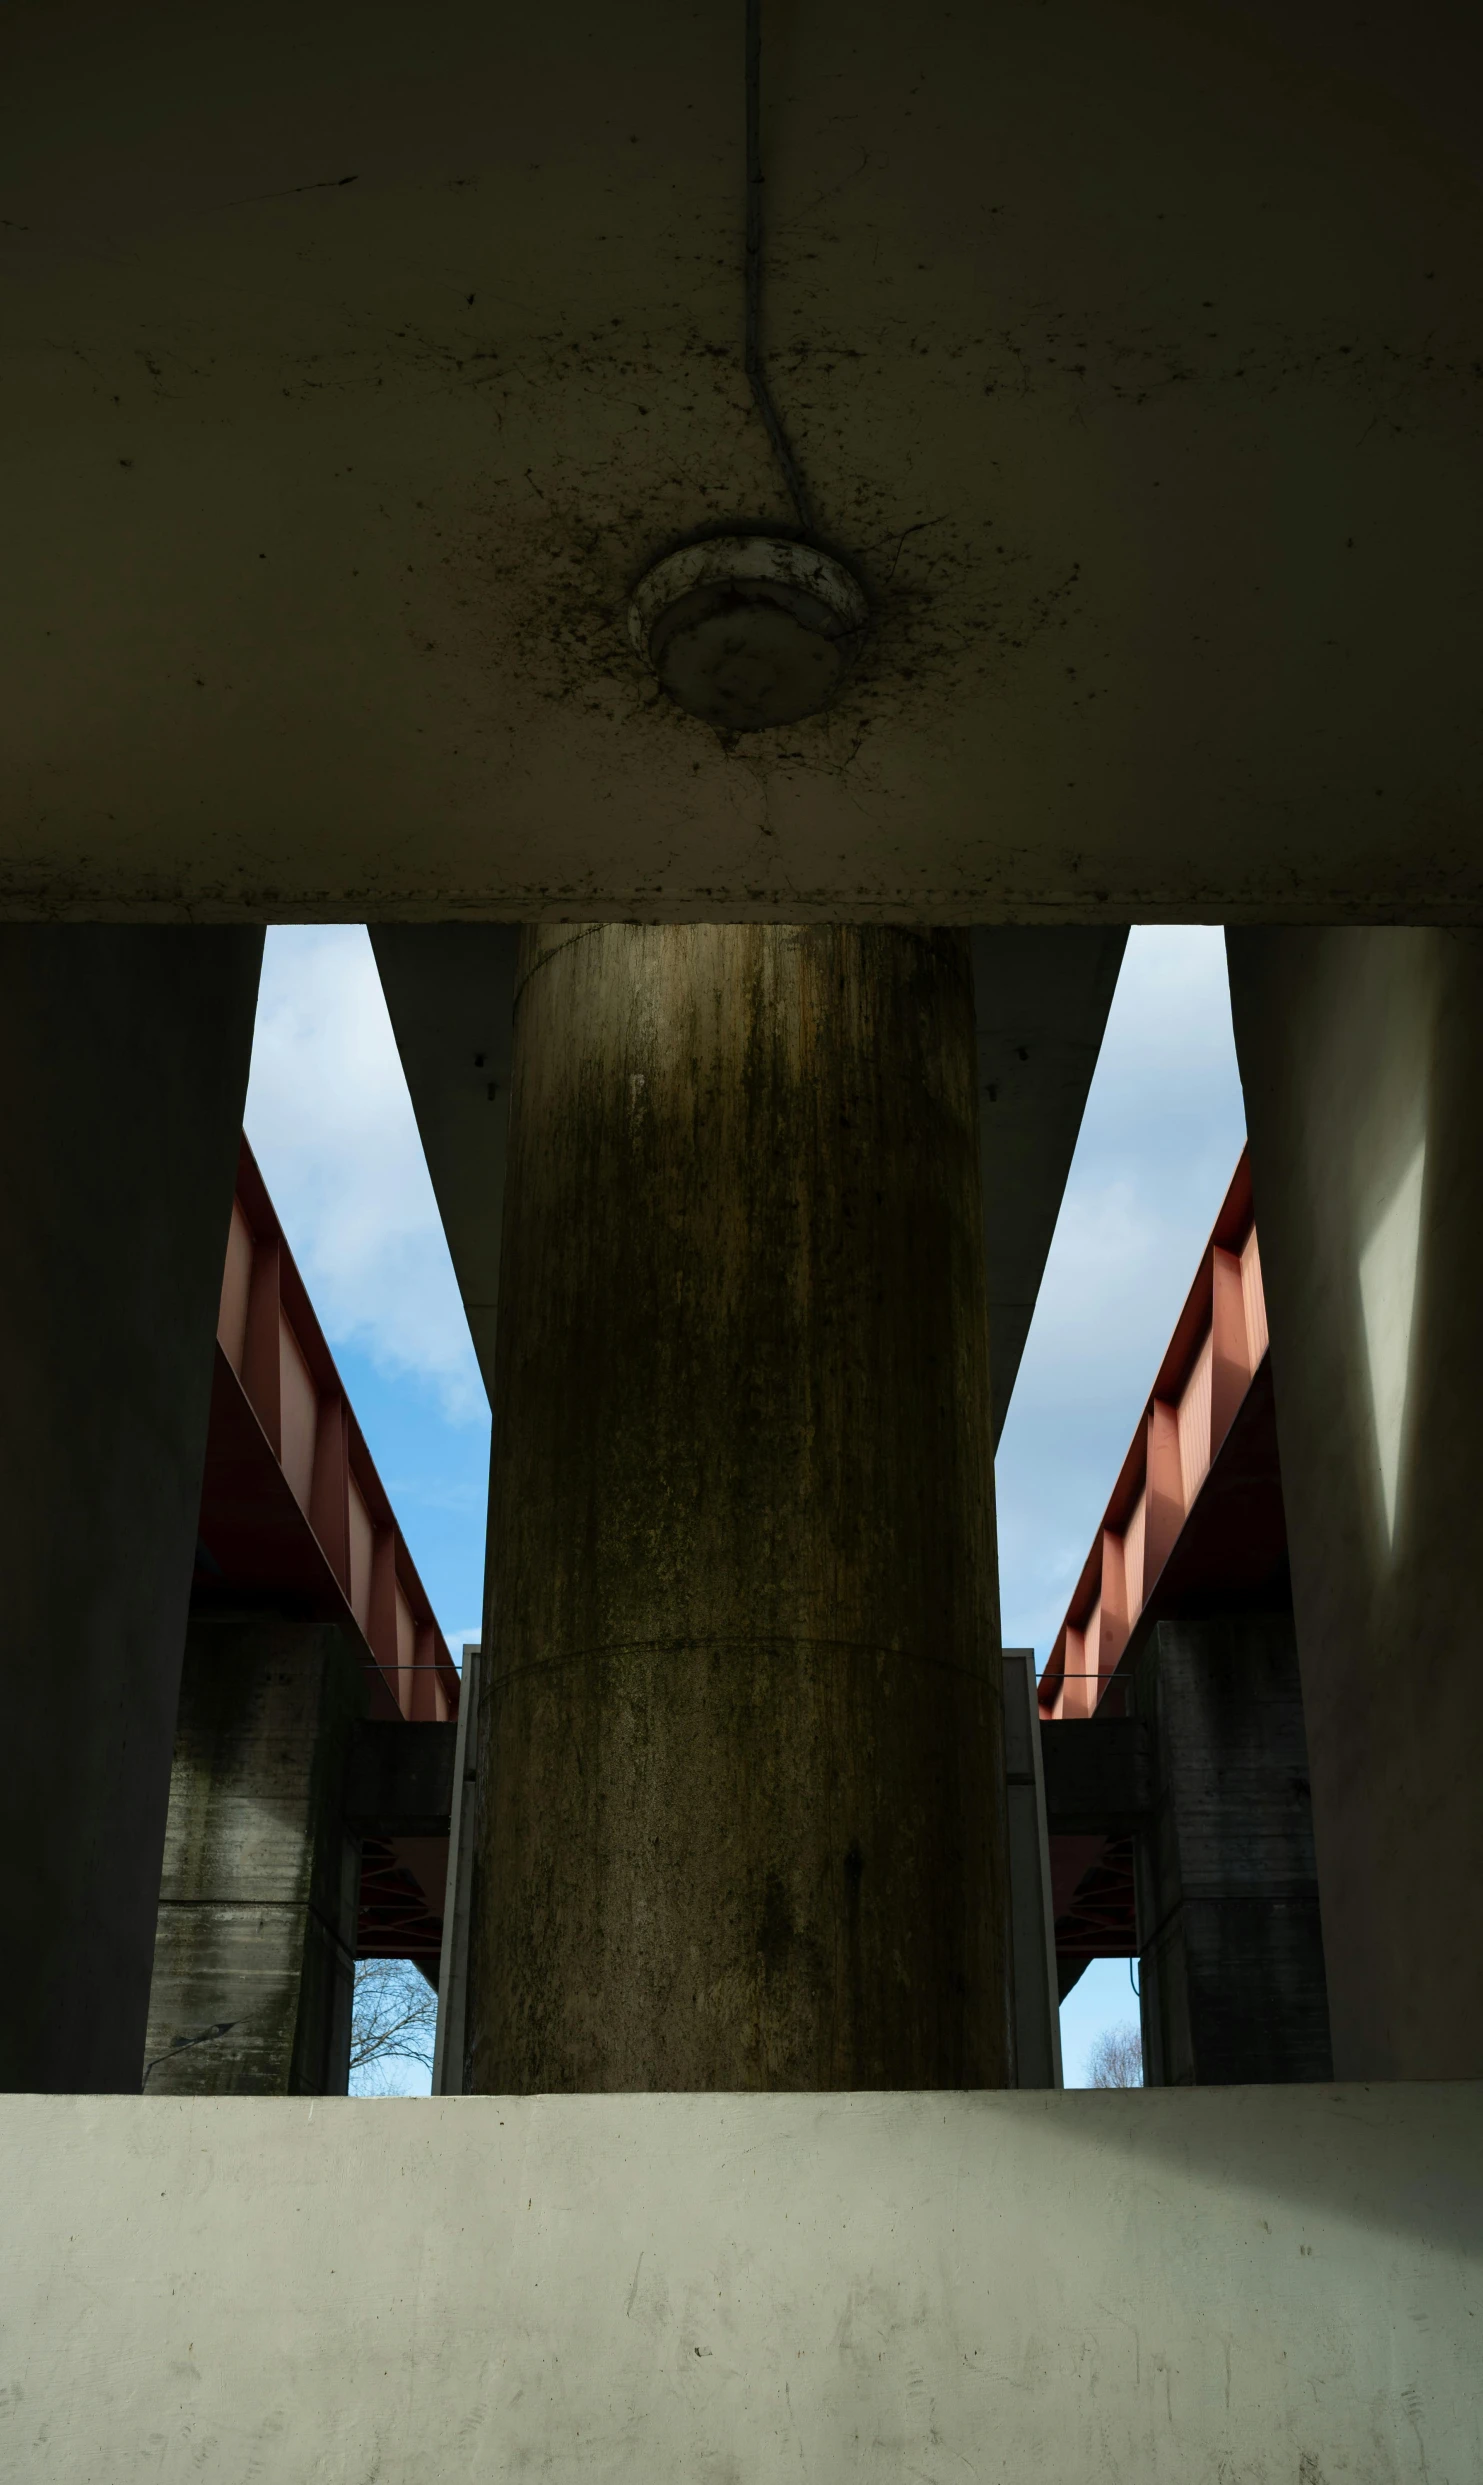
column 124, row 1058
column 743, row 1813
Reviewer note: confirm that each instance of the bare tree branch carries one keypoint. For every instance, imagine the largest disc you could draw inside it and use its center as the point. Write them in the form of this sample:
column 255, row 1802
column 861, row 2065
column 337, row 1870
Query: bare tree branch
column 395, row 2017
column 1117, row 2058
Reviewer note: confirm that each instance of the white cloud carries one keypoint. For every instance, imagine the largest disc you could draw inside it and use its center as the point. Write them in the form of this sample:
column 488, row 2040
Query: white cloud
column 331, row 1124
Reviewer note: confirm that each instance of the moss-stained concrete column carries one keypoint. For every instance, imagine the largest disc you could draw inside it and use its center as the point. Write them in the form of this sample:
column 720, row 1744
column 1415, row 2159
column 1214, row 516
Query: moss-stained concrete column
column 254, row 1963
column 743, row 1815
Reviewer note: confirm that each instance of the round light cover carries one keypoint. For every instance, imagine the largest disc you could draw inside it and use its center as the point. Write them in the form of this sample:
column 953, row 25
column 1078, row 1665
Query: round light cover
column 749, row 630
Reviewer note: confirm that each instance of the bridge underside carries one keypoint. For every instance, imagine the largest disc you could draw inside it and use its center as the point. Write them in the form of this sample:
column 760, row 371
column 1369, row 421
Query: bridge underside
column 351, row 376
column 354, row 365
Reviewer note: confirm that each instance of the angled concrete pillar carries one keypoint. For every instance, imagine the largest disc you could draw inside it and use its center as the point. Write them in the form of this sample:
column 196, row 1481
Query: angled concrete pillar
column 449, row 2066
column 1042, row 994
column 1361, row 1055
column 1033, row 1994
column 1231, row 1972
column 742, row 1807
column 254, row 1968
column 124, row 1057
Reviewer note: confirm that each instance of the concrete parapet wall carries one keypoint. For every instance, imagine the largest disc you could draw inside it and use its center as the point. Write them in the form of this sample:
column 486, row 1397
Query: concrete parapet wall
column 1361, row 1058
column 1279, row 2286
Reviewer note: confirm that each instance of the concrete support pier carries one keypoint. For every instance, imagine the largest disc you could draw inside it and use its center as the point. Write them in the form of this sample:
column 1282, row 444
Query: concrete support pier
column 254, row 1972
column 743, row 1819
column 125, row 1056
column 1361, row 1055
column 1230, row 1947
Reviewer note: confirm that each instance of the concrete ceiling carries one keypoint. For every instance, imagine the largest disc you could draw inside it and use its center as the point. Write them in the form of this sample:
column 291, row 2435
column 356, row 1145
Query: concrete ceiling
column 1042, row 998
column 356, row 359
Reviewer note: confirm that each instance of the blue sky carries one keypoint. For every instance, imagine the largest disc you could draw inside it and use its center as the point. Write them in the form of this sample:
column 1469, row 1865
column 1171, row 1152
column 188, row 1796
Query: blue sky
column 331, row 1124
column 330, row 1120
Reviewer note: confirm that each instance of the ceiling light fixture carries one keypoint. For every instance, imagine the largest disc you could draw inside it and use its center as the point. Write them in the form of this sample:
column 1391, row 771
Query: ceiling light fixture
column 752, row 629
column 749, row 630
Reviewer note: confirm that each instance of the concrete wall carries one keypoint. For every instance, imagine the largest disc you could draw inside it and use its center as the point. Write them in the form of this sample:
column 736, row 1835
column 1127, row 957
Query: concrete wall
column 124, row 1056
column 1362, row 1059
column 1230, row 1945
column 1210, row 2287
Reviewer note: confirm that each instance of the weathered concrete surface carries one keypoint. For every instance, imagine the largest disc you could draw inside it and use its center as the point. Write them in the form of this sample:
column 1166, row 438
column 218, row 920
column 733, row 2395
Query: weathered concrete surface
column 1041, row 998
column 254, row 1967
column 1230, row 1945
column 1201, row 2287
column 1037, row 2018
column 125, row 1059
column 399, row 1777
column 450, row 2052
column 1362, row 1059
column 450, row 993
column 743, row 1794
column 1133, row 354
